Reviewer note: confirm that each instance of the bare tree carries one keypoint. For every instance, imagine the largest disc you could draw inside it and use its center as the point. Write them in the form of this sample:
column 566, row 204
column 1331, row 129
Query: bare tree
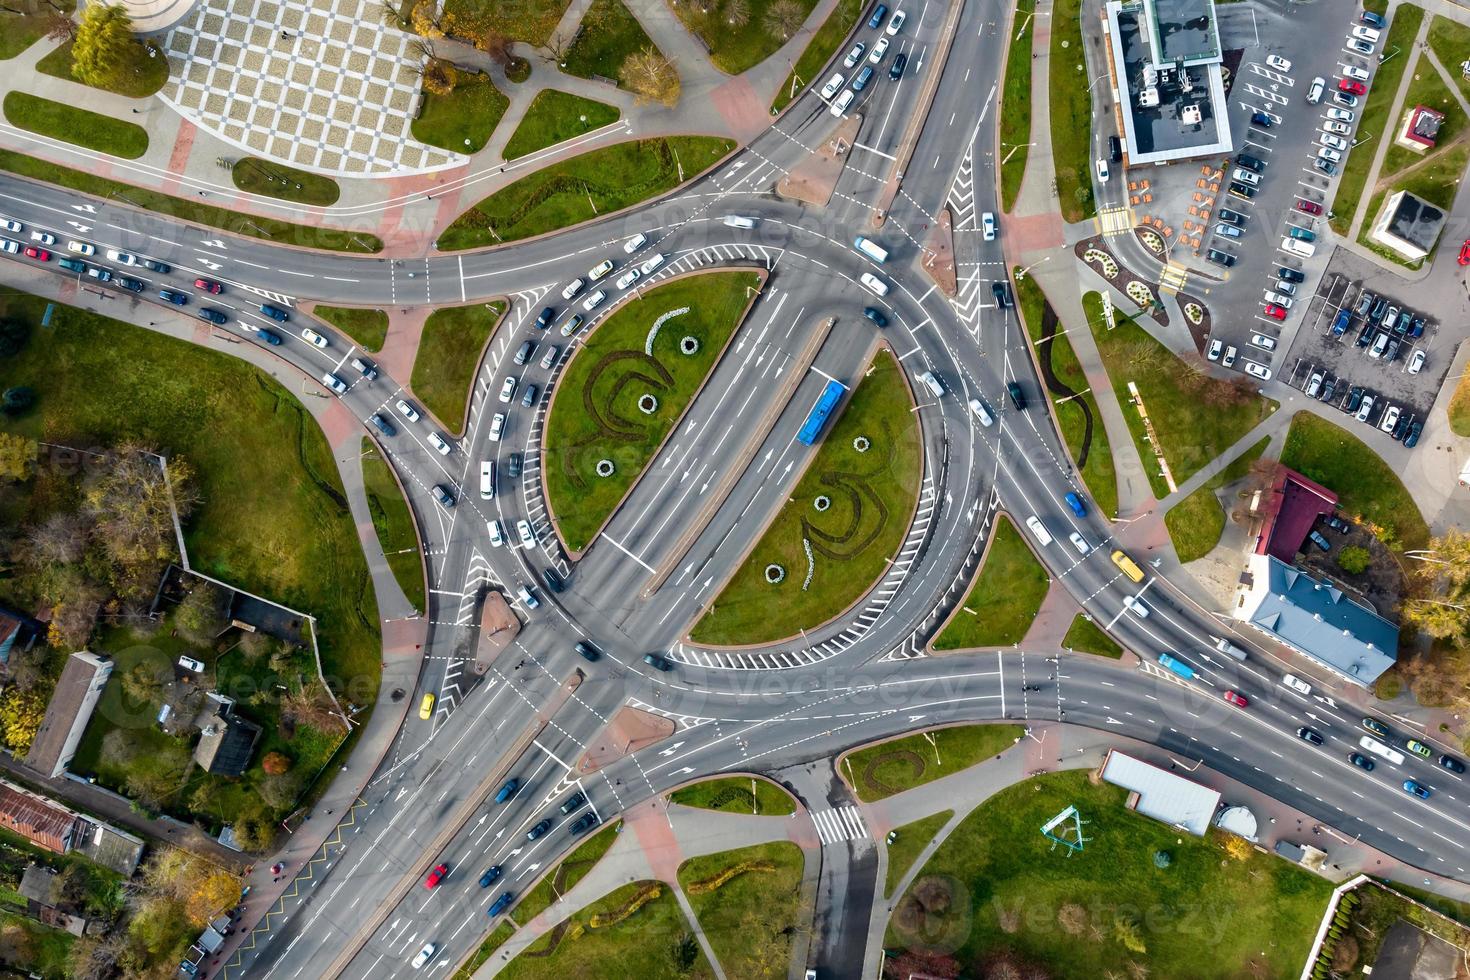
column 651, row 77
column 737, row 12
column 59, row 26
column 784, row 18
column 60, row 539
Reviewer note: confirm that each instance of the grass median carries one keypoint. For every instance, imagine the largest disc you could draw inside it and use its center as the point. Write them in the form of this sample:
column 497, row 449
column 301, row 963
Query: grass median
column 1015, row 107
column 584, row 187
column 448, row 356
column 482, row 953
column 463, row 120
column 1086, row 636
column 1070, row 102
column 1205, row 914
column 909, row 841
column 736, row 47
column 748, row 904
column 638, row 352
column 257, row 176
column 823, row 45
column 554, row 117
column 836, row 534
column 80, row 127
column 1459, row 408
column 609, row 35
column 572, row 869
column 879, row 771
column 1008, row 590
column 1196, row 522
column 393, row 523
column 736, row 794
column 368, row 327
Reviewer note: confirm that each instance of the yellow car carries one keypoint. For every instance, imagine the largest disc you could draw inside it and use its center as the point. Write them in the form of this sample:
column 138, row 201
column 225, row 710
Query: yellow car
column 426, row 710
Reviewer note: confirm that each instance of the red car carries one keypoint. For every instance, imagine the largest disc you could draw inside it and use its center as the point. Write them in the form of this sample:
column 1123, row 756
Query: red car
column 1351, row 87
column 1464, row 252
column 41, row 255
column 436, row 876
column 1239, row 700
column 1310, row 207
column 208, row 285
column 1275, row 312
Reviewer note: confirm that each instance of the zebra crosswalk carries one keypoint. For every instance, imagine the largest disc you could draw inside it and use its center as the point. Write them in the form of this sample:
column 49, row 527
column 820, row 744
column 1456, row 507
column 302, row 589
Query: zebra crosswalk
column 1114, row 221
column 838, row 824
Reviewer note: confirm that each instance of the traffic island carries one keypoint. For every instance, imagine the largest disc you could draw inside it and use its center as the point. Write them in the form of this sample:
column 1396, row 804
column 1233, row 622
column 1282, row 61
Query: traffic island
column 630, row 730
column 813, row 180
column 939, row 254
column 753, row 795
column 1003, row 601
column 748, row 903
column 880, row 770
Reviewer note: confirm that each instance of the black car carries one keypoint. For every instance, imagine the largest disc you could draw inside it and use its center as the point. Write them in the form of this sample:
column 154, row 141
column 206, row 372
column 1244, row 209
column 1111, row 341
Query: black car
column 1451, row 763
column 1230, row 217
column 1411, row 438
column 1329, row 388
column 443, row 495
column 1220, row 258
column 1400, row 427
column 539, row 831
column 1365, row 336
column 159, row 267
column 1308, row 735
column 176, row 298
column 900, row 62
column 1361, row 761
column 126, row 282
column 1261, row 119
column 383, row 425
column 1251, row 163
column 547, row 315
column 1287, row 274
column 1332, row 520
column 553, row 581
column 275, row 312
column 583, row 823
column 1355, row 398
column 269, row 337
column 1242, row 190
column 875, row 315
column 1115, row 149
column 1018, row 397
column 573, row 804
column 1380, row 307
column 1326, row 166
column 587, row 651
column 1002, row 292
column 491, row 875
column 213, row 316
column 513, row 465
column 657, row 661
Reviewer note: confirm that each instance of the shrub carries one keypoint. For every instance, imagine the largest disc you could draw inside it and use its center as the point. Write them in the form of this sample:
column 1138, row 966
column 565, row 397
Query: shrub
column 276, row 763
column 1354, row 560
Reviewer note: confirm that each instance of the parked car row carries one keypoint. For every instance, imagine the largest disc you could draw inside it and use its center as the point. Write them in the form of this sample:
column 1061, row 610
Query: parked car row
column 840, row 91
column 1364, row 405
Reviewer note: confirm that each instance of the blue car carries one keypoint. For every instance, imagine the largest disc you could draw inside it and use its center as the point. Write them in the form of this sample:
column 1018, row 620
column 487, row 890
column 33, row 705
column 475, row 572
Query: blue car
column 879, row 12
column 269, row 336
column 489, row 877
column 1414, row 789
column 383, row 425
column 1075, row 502
column 1341, row 323
column 275, row 312
column 178, row 299
column 501, row 904
column 508, row 790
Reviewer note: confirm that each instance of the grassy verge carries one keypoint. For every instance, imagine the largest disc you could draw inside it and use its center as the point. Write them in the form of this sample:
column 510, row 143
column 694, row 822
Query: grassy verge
column 1092, row 914
column 277, row 180
column 368, row 327
column 1015, row 107
column 1086, row 636
column 146, row 77
column 1195, row 416
column 185, row 209
column 1366, row 486
column 737, row 794
column 1196, row 522
column 824, row 44
column 572, row 869
column 1459, row 408
column 748, row 902
column 1436, row 182
column 1070, row 103
column 394, row 525
column 882, row 770
column 911, row 839
column 1427, row 88
column 531, row 21
column 636, row 931
column 1451, row 42
column 1098, row 471
column 735, row 48
column 19, row 31
column 582, row 188
column 463, row 120
column 43, row 951
column 1373, row 117
column 448, row 356
column 482, row 953
column 609, row 34
column 871, row 496
column 80, row 127
column 554, row 117
column 1008, row 590
column 595, row 387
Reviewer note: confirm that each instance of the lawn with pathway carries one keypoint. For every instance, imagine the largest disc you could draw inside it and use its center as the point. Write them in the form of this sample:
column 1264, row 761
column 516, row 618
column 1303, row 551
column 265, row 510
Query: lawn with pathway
column 908, row 842
column 835, row 536
column 609, row 35
column 1434, row 179
column 367, row 327
column 748, row 903
column 1009, row 588
column 1071, row 113
column 1196, row 522
column 824, row 43
column 448, row 357
column 1459, row 408
column 584, row 187
column 148, row 76
column 463, row 120
column 572, row 869
column 736, row 794
column 482, row 953
column 736, row 47
column 393, row 523
column 885, row 768
column 1195, row 416
column 19, row 29
column 80, row 127
column 555, row 117
column 1085, row 636
column 273, row 179
column 1140, row 892
column 1450, row 41
column 601, row 411
column 1015, row 106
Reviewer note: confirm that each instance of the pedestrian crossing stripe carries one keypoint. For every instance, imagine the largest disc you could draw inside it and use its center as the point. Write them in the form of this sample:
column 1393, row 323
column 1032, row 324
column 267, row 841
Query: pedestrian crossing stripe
column 841, row 823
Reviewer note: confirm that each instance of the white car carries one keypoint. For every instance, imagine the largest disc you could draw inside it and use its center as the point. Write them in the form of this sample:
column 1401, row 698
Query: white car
column 1102, row 171
column 1356, row 73
column 1333, row 126
column 599, row 270
column 1328, row 153
column 873, row 284
column 573, row 288
column 523, row 531
column 10, row 224
column 987, row 225
column 1263, row 342
column 1365, row 409
column 635, row 243
column 122, row 258
column 1297, row 684
column 1390, row 418
column 191, row 665
column 740, row 220
column 43, row 238
column 1277, row 62
column 981, row 412
column 1217, row 347
column 1136, row 607
column 81, row 248
column 1336, row 142
column 528, row 597
column 651, row 263
column 424, row 955
column 594, row 301
column 335, row 383
column 13, row 247
column 407, row 410
column 440, row 443
column 549, row 358
column 854, row 56
column 497, row 426
column 1270, row 296
column 1416, row 362
column 1361, row 47
column 1079, row 542
column 1257, row 370
column 1369, row 34
column 834, row 84
column 840, row 104
column 1314, row 91
column 507, row 390
column 628, row 278
column 1231, row 353
column 1342, row 115
column 313, row 338
column 879, row 50
column 895, row 23
column 496, row 532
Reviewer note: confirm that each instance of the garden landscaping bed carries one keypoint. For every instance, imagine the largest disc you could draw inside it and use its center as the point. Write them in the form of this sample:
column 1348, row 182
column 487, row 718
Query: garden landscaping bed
column 369, row 328
column 1086, row 636
column 463, row 120
column 257, row 176
column 80, row 127
column 881, row 770
column 736, row 794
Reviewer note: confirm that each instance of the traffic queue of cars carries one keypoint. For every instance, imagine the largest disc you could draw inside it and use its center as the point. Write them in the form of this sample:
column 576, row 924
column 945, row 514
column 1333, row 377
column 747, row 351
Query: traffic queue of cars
column 865, row 62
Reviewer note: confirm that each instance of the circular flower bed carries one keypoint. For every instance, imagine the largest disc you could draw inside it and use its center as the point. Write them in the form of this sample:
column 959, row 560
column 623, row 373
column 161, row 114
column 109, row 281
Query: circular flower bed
column 775, row 574
column 688, row 346
column 822, row 502
column 1140, row 294
column 1194, row 313
column 861, row 444
column 605, row 467
column 647, row 404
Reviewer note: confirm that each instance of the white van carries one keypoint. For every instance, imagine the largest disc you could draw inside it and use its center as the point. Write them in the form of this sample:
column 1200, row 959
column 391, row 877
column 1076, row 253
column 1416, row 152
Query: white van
column 739, row 221
column 1229, row 649
column 1038, row 529
column 978, row 407
column 487, row 479
column 874, row 285
column 1298, row 247
column 932, row 383
column 496, row 532
column 871, row 249
column 1377, row 748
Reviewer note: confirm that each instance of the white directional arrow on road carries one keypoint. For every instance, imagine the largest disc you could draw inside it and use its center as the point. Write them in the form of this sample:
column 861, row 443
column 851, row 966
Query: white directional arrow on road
column 213, row 243
column 88, row 208
column 1113, row 721
column 671, row 749
column 914, row 718
column 681, row 772
column 81, row 228
column 515, row 852
column 528, row 870
column 213, row 266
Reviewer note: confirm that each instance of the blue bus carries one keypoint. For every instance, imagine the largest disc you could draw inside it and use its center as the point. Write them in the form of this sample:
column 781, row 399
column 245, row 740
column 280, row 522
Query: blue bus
column 831, row 395
column 1177, row 666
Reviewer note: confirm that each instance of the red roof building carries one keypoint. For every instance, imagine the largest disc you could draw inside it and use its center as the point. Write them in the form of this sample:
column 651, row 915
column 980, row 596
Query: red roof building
column 37, row 819
column 1288, row 510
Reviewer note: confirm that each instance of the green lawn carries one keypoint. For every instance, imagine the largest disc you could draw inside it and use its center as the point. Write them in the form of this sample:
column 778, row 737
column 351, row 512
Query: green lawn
column 1015, row 106
column 572, row 869
column 1196, row 522
column 1008, row 590
column 20, row 31
column 596, row 414
column 1373, row 113
column 1099, row 472
column 38, row 949
column 582, row 188
column 1427, row 88
column 368, row 327
column 1203, row 917
column 257, row 176
column 448, row 356
column 737, row 794
column 81, row 127
column 191, row 209
column 886, row 768
column 1195, row 416
column 531, row 21
column 609, row 34
column 1451, row 43
column 394, row 525
column 871, row 498
column 751, row 917
column 911, row 840
column 824, row 43
column 554, row 117
column 463, row 120
column 1365, row 485
column 148, row 75
column 611, row 939
column 494, row 941
column 1459, row 408
column 1087, row 637
column 735, row 48
column 1070, row 103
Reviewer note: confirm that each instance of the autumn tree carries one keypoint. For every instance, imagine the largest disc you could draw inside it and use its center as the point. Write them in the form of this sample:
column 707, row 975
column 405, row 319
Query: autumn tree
column 439, row 77
column 784, row 18
column 204, row 890
column 60, row 539
column 280, row 791
column 59, row 26
column 311, row 704
column 1236, row 847
column 20, row 718
column 651, row 77
column 143, row 682
column 17, row 457
column 201, row 614
column 105, row 50
column 276, row 763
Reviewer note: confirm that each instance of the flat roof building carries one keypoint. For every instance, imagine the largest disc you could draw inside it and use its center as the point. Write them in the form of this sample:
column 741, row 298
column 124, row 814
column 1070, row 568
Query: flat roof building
column 1409, row 225
column 1158, row 793
column 67, row 713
